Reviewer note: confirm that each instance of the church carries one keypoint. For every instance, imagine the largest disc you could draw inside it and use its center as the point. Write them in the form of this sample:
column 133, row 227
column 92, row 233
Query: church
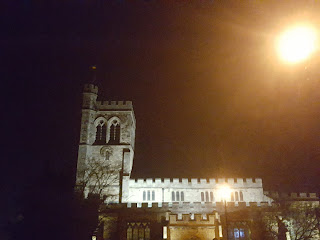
column 157, row 208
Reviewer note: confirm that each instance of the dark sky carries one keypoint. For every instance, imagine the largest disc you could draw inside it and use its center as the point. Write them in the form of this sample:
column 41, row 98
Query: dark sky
column 211, row 97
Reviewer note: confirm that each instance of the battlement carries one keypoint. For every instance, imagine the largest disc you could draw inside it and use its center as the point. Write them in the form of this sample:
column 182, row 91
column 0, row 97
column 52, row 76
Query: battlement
column 196, row 182
column 168, row 206
column 293, row 196
column 114, row 105
column 90, row 88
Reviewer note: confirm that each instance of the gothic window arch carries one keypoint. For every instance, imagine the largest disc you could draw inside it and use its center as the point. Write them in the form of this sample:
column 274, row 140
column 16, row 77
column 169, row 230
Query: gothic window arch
column 114, row 131
column 211, row 197
column 141, row 232
column 173, row 196
column 241, row 196
column 101, row 130
column 129, row 233
column 138, row 231
column 177, row 196
column 107, row 155
column 135, row 234
column 207, row 197
column 147, row 233
column 202, row 196
column 182, row 196
column 236, row 196
column 148, row 194
column 144, row 195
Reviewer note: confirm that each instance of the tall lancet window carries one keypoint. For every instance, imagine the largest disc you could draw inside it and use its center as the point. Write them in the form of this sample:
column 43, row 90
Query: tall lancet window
column 101, row 133
column 114, row 132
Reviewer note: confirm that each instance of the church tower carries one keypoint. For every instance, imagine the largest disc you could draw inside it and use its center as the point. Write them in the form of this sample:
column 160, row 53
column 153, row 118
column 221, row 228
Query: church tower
column 106, row 147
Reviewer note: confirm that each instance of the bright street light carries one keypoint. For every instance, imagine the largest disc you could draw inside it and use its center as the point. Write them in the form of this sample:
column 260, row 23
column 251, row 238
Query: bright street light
column 224, row 192
column 297, row 43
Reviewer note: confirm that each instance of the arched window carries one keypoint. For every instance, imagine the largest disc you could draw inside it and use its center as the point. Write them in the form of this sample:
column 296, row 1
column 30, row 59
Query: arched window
column 236, row 233
column 144, row 195
column 182, row 196
column 153, row 195
column 135, row 234
column 207, row 197
column 138, row 231
column 141, row 232
column 211, row 197
column 101, row 133
column 114, row 132
column 148, row 195
column 202, row 196
column 177, row 196
column 129, row 233
column 241, row 196
column 237, row 196
column 147, row 233
column 107, row 155
column 232, row 196
column 173, row 197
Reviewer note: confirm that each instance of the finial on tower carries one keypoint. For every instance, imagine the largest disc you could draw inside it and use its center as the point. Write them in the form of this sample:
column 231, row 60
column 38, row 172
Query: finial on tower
column 93, row 69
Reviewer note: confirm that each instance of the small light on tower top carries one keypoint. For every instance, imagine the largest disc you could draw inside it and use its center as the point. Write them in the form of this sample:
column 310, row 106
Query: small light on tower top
column 93, row 69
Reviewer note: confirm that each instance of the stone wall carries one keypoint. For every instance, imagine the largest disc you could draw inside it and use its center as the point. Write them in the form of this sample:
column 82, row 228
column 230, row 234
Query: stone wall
column 251, row 189
column 204, row 227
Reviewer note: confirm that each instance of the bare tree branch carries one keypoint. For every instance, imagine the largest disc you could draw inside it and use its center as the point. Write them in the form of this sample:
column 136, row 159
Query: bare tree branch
column 98, row 178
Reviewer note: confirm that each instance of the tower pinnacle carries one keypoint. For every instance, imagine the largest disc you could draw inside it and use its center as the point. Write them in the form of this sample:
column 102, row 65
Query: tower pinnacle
column 93, row 79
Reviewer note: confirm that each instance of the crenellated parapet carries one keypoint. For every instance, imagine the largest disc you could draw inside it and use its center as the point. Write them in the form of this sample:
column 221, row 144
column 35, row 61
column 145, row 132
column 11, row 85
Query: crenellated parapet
column 196, row 205
column 114, row 105
column 90, row 88
column 196, row 182
column 187, row 208
column 293, row 196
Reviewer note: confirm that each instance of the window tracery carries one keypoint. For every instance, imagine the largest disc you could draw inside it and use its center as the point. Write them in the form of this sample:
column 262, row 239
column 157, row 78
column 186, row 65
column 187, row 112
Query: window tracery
column 101, row 132
column 138, row 231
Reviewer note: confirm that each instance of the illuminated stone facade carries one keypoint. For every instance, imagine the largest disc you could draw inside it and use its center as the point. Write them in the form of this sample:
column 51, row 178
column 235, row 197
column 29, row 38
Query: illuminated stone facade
column 175, row 209
column 108, row 135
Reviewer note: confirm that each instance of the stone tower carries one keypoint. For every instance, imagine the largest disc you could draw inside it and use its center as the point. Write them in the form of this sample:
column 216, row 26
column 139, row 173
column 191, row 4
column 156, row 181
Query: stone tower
column 106, row 147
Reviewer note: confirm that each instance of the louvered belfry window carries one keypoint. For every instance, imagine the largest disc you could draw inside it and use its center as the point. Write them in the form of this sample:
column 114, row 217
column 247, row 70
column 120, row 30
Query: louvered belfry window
column 114, row 133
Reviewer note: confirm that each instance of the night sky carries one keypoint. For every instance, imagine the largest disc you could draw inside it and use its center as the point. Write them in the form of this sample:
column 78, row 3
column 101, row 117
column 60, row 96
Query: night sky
column 210, row 95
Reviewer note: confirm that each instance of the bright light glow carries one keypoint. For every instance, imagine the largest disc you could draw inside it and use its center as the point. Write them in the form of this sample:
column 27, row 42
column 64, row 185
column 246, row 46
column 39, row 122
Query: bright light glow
column 220, row 231
column 224, row 192
column 165, row 232
column 297, row 43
